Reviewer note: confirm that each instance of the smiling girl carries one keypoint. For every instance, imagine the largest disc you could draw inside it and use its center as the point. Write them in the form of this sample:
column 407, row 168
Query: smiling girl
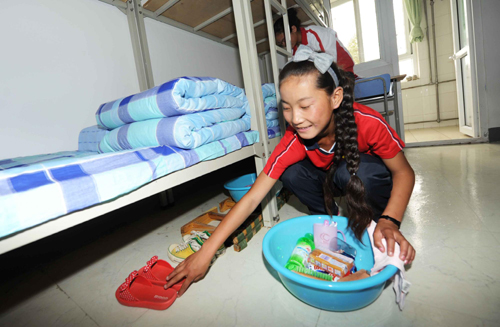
column 332, row 147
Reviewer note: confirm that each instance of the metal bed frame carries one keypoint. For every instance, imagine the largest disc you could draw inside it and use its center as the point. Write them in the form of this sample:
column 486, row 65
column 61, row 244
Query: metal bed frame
column 248, row 49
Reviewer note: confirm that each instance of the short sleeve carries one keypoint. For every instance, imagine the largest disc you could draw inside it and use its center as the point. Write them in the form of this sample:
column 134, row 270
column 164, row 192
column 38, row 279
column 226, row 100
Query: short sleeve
column 375, row 135
column 289, row 151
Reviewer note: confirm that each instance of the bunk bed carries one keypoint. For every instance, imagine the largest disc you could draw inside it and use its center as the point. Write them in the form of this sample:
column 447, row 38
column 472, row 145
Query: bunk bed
column 244, row 24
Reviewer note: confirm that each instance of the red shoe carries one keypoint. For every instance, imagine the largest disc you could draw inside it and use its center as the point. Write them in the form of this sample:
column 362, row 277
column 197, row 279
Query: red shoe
column 137, row 291
column 157, row 270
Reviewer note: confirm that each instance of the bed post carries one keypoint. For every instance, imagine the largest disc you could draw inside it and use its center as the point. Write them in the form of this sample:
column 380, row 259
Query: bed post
column 140, row 45
column 273, row 48
column 251, row 78
column 143, row 66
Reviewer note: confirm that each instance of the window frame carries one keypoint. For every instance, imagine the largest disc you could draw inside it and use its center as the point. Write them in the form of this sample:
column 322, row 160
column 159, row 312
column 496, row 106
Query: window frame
column 359, row 36
column 411, row 52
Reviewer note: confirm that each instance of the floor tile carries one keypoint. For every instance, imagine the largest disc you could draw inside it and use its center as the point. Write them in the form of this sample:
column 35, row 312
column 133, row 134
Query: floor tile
column 427, row 134
column 452, row 132
column 31, row 304
column 452, row 221
column 409, row 138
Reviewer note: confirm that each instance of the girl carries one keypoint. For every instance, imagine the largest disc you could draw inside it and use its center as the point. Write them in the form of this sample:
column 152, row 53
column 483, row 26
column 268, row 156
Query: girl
column 320, row 39
column 333, row 141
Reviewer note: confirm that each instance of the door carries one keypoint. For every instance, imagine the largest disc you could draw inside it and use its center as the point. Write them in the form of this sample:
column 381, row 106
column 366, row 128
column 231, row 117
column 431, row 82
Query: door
column 467, row 112
column 367, row 29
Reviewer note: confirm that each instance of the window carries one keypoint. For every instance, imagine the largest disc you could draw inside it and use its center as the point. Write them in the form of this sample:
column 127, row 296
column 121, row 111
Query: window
column 407, row 58
column 355, row 22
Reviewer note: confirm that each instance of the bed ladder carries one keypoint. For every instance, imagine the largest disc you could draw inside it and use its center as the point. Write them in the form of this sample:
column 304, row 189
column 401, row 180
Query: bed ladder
column 274, row 49
column 252, row 80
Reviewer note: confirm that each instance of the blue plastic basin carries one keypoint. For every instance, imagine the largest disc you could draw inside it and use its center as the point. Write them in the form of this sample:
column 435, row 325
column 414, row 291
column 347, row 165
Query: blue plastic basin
column 239, row 186
column 332, row 296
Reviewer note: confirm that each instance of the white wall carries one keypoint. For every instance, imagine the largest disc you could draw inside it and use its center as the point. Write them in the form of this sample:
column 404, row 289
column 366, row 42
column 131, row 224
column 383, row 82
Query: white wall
column 490, row 25
column 419, row 103
column 175, row 53
column 61, row 59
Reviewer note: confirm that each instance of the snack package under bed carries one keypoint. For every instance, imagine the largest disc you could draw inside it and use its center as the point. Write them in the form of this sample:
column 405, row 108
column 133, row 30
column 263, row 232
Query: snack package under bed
column 335, row 264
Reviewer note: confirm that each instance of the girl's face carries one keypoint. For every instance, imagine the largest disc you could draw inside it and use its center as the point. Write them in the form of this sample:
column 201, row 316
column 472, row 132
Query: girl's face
column 294, row 37
column 306, row 108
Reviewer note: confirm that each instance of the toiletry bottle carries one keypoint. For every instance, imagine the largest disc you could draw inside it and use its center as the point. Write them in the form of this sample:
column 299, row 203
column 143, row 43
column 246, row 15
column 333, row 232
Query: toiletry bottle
column 304, row 246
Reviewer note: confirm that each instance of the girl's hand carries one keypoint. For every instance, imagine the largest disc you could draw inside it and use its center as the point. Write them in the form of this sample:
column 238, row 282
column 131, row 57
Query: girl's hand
column 193, row 268
column 389, row 231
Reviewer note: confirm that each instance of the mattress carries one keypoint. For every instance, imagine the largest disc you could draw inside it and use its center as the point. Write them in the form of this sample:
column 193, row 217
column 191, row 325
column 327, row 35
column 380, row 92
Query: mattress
column 36, row 189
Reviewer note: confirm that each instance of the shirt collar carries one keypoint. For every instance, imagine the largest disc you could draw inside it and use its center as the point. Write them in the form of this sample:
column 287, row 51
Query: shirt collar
column 315, row 146
column 303, row 41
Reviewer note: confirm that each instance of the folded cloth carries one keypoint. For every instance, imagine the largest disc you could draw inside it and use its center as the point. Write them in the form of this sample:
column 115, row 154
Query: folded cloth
column 269, row 96
column 177, row 97
column 268, row 90
column 401, row 286
column 272, row 113
column 272, row 122
column 270, row 102
column 186, row 131
column 273, row 132
column 90, row 137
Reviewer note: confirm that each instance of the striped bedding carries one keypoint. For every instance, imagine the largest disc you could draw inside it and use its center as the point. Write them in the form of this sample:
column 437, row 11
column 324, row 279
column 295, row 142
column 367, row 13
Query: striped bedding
column 177, row 97
column 36, row 189
column 185, row 132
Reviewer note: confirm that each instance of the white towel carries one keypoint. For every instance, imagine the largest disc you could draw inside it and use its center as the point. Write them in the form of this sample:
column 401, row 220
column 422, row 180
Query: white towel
column 401, row 286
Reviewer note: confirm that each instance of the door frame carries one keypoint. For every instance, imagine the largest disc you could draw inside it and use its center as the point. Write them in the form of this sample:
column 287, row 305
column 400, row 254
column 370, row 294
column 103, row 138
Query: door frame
column 458, row 54
column 477, row 62
column 479, row 77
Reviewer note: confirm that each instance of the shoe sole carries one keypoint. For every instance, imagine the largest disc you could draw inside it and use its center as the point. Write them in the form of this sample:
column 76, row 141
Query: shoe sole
column 173, row 257
column 145, row 304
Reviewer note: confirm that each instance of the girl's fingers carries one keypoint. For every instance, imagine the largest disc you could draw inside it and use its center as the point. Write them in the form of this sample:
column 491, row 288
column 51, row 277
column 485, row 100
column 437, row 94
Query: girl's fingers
column 175, row 276
column 404, row 246
column 377, row 241
column 185, row 286
column 177, row 270
column 174, row 280
column 411, row 255
column 390, row 245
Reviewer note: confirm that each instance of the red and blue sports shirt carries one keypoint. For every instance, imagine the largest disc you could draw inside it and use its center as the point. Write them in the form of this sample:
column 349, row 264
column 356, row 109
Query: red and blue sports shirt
column 375, row 137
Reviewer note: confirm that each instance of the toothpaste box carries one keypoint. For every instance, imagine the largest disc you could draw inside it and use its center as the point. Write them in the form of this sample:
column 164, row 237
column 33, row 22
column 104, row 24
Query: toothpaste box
column 333, row 263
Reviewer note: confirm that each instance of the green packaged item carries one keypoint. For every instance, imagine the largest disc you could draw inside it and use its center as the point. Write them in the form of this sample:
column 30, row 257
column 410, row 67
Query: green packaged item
column 304, row 246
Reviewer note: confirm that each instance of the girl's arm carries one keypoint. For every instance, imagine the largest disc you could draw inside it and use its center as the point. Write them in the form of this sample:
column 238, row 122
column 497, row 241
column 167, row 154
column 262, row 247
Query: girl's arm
column 194, row 267
column 403, row 179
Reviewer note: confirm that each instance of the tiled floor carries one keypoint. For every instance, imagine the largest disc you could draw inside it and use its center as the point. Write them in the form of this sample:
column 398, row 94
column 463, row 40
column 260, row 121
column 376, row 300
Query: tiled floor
column 452, row 221
column 433, row 134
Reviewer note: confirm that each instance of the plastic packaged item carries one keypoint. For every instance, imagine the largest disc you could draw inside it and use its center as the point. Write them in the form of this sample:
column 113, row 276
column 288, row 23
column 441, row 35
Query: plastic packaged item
column 339, row 246
column 335, row 264
column 304, row 246
column 312, row 274
column 325, row 233
column 362, row 274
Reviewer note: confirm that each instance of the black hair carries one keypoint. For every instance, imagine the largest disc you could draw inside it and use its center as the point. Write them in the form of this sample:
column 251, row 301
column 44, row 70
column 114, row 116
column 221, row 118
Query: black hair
column 293, row 20
column 346, row 144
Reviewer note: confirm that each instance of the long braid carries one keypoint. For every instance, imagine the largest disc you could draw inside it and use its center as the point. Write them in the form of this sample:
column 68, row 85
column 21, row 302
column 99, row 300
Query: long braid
column 346, row 137
column 346, row 146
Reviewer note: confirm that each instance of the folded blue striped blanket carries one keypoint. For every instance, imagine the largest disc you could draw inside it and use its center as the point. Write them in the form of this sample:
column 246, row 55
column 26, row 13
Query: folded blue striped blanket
column 186, row 131
column 271, row 114
column 36, row 189
column 273, row 132
column 90, row 137
column 177, row 97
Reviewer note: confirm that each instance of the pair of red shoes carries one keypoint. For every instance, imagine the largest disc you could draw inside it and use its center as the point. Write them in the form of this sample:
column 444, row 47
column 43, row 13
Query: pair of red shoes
column 145, row 288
